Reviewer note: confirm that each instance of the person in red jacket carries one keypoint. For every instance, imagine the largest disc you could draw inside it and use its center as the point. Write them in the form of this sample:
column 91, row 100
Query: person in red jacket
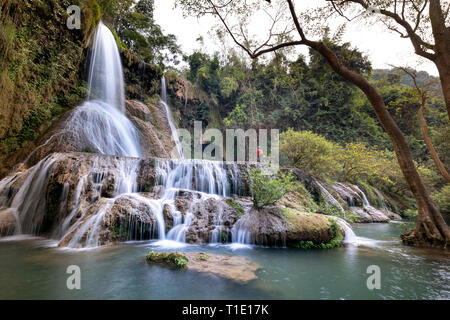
column 259, row 153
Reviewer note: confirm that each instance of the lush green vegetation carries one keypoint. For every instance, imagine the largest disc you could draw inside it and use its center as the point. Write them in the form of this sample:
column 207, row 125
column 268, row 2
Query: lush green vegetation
column 267, row 190
column 40, row 66
column 137, row 31
column 328, row 127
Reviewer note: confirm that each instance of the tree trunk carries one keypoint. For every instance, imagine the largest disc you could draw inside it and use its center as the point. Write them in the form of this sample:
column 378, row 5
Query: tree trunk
column 444, row 75
column 441, row 35
column 423, row 123
column 431, row 229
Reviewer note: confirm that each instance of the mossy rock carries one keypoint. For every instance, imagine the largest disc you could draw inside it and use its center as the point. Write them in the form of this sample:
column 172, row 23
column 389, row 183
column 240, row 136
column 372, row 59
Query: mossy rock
column 311, row 230
column 235, row 268
column 174, row 259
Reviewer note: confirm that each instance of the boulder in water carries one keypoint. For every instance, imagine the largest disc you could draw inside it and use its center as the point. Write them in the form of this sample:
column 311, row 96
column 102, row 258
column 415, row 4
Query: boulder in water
column 236, row 268
column 280, row 226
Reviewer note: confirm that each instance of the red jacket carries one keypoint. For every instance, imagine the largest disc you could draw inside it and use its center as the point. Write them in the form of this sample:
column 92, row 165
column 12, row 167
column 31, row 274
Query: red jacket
column 259, row 152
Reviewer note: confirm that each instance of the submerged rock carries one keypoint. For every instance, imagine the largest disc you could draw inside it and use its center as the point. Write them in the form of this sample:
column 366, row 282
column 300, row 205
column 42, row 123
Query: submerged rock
column 236, row 268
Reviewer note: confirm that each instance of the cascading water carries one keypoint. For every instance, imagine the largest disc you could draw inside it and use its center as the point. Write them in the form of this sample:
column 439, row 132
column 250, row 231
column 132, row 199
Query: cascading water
column 209, row 178
column 363, row 195
column 173, row 129
column 381, row 197
column 100, row 185
column 350, row 236
column 100, row 124
column 330, row 199
column 240, row 235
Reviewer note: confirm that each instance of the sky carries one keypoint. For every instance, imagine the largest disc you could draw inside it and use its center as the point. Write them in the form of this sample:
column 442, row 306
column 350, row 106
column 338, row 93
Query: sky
column 381, row 46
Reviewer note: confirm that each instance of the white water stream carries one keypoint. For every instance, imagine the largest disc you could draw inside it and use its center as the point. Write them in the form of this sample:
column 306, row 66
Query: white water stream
column 100, row 124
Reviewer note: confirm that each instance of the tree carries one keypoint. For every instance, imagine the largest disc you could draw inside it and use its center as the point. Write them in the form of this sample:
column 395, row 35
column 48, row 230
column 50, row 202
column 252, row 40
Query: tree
column 422, row 93
column 431, row 229
column 358, row 162
column 309, row 151
column 134, row 23
column 424, row 22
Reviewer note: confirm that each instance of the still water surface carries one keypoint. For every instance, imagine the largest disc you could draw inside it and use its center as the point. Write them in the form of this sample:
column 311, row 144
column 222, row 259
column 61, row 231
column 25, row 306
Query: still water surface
column 33, row 269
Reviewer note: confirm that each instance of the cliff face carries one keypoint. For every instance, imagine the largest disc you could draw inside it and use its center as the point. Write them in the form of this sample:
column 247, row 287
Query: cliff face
column 41, row 68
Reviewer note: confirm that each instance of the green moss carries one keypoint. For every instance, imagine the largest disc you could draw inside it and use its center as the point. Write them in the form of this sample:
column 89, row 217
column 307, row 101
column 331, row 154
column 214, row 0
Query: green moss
column 305, row 245
column 111, row 186
column 299, row 221
column 305, row 198
column 147, row 187
column 237, row 207
column 54, row 198
column 224, row 237
column 96, row 14
column 336, row 241
column 120, row 43
column 88, row 150
column 40, row 67
column 336, row 231
column 174, row 259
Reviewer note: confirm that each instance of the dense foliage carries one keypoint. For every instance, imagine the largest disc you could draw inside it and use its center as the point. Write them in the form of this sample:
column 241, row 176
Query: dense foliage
column 267, row 190
column 328, row 128
column 137, row 31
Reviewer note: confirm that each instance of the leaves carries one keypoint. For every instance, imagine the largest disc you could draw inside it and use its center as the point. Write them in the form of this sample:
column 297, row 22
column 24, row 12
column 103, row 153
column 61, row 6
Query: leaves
column 267, row 190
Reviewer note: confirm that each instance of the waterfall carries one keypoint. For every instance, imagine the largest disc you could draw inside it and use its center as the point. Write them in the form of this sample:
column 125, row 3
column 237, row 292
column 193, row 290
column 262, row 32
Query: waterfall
column 363, row 195
column 198, row 175
column 350, row 236
column 100, row 184
column 105, row 81
column 381, row 197
column 99, row 124
column 29, row 202
column 330, row 199
column 240, row 235
column 173, row 129
column 209, row 178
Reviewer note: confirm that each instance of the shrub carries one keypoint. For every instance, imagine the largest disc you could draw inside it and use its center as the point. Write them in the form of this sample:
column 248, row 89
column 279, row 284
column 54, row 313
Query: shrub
column 267, row 190
column 309, row 151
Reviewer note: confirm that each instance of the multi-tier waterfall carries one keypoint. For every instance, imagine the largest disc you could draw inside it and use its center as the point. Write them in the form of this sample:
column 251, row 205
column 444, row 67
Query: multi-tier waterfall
column 80, row 199
column 100, row 124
